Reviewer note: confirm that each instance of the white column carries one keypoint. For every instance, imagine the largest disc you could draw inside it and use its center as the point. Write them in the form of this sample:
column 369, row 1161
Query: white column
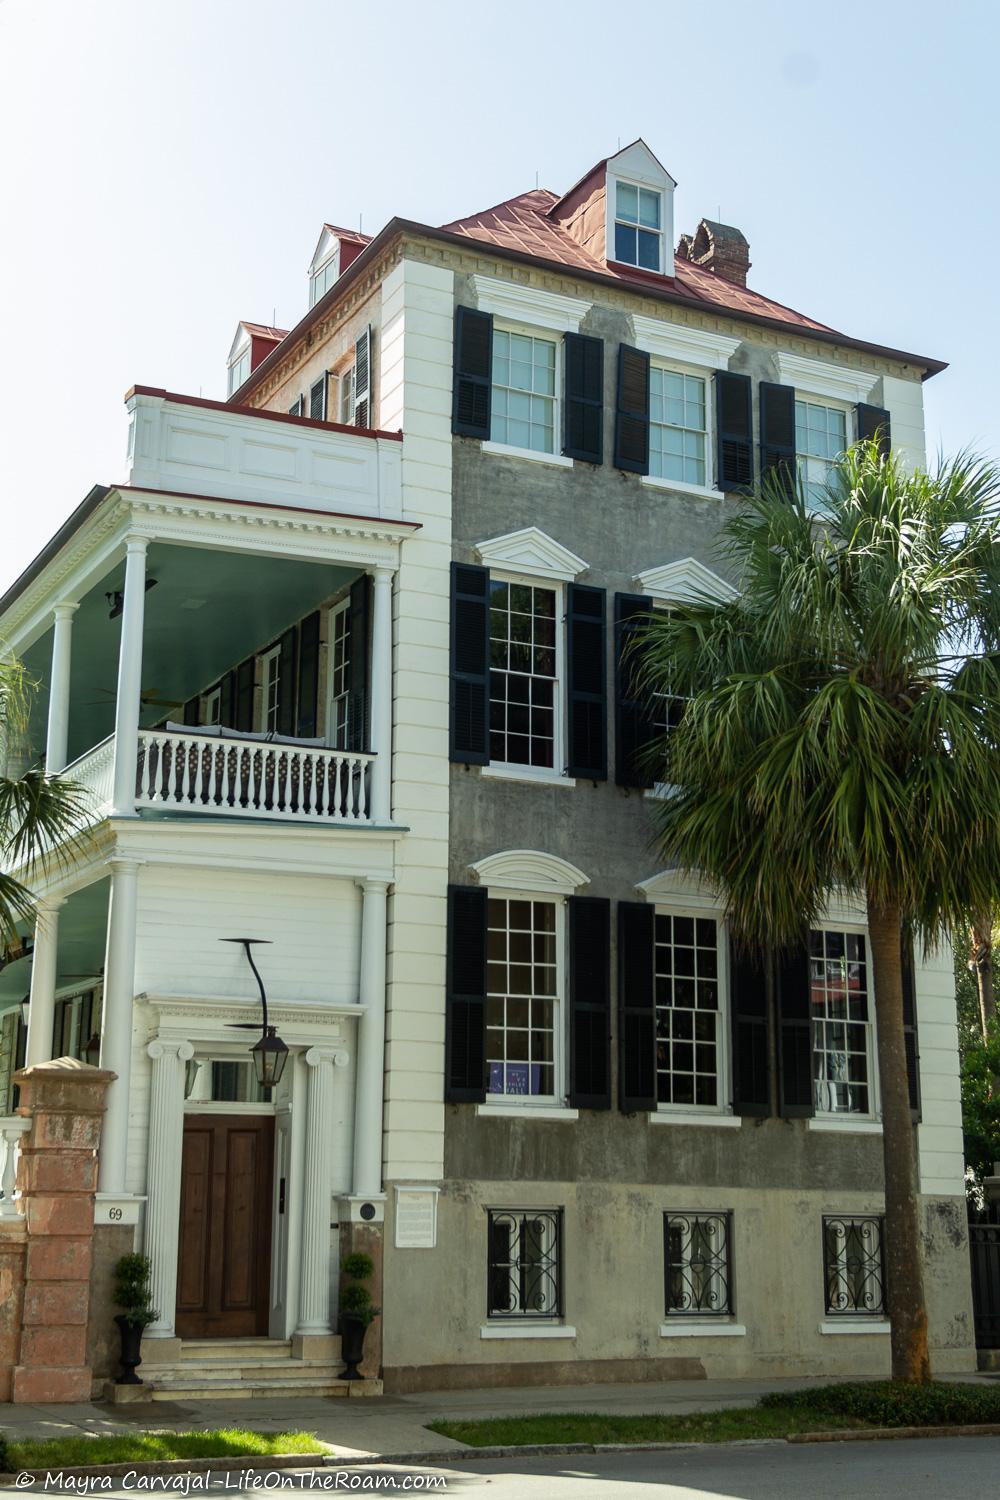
column 11, row 1131
column 370, row 1078
column 129, row 677
column 163, row 1179
column 116, row 1021
column 314, row 1282
column 58, row 728
column 41, row 1011
column 381, row 728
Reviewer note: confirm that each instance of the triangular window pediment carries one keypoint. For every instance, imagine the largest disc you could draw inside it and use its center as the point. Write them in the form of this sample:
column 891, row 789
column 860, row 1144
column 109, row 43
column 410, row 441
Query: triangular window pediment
column 531, row 551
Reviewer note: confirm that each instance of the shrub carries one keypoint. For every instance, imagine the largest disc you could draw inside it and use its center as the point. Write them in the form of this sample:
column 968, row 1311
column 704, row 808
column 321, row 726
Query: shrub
column 132, row 1274
column 6, row 1462
column 355, row 1298
column 894, row 1403
column 358, row 1265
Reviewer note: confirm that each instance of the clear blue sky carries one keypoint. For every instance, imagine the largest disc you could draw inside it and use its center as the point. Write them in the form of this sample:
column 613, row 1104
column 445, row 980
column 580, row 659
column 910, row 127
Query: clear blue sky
column 166, row 169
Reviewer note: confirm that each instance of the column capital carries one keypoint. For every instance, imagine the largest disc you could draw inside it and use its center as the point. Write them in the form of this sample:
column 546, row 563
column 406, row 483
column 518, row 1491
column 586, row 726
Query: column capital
column 384, row 572
column 137, row 541
column 64, row 610
column 368, row 883
column 169, row 1047
column 48, row 906
column 123, row 864
column 316, row 1056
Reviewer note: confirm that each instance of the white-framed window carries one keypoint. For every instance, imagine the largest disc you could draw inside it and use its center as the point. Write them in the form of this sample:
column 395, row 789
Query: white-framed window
column 525, row 674
column 239, row 371
column 854, row 1265
column 339, row 636
column 688, row 980
column 679, row 445
column 524, row 1263
column 525, row 401
column 525, row 965
column 348, row 383
column 822, row 433
column 697, row 1254
column 298, row 407
column 324, row 277
column 842, row 1030
column 211, row 709
column 638, row 225
column 270, row 689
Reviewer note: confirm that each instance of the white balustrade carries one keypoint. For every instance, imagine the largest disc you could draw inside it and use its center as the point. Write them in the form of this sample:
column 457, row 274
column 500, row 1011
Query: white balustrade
column 12, row 1127
column 248, row 778
column 94, row 773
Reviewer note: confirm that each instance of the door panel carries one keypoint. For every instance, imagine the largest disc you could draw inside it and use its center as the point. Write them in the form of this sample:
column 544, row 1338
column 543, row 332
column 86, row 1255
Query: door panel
column 225, row 1236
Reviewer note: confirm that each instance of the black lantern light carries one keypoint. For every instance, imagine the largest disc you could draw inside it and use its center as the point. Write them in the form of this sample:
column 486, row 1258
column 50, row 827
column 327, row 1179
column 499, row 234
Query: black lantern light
column 269, row 1053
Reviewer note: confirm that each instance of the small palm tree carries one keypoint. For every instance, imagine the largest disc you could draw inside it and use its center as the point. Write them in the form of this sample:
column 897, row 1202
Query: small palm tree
column 842, row 732
column 37, row 812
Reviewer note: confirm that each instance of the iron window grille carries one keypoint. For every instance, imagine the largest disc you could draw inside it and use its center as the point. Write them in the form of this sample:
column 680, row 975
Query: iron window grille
column 698, row 1265
column 854, row 1266
column 525, row 1263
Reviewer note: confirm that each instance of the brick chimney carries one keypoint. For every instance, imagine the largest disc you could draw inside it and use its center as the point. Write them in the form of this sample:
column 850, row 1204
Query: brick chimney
column 718, row 248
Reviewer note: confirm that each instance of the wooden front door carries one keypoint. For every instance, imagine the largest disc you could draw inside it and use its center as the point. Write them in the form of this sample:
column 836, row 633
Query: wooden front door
column 224, row 1264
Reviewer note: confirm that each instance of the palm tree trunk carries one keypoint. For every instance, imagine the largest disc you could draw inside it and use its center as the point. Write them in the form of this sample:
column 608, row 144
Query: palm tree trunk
column 982, row 962
column 904, row 1265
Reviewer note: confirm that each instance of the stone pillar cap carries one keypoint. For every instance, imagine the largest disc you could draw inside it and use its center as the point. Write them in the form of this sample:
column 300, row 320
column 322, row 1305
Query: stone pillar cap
column 65, row 1070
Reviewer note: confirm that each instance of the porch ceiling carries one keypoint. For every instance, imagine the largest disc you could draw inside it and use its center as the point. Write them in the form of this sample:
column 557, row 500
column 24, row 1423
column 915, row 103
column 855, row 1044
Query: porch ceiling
column 82, row 930
column 209, row 610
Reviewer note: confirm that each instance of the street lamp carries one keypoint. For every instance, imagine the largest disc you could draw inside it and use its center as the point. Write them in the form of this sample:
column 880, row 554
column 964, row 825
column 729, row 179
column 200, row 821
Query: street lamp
column 269, row 1053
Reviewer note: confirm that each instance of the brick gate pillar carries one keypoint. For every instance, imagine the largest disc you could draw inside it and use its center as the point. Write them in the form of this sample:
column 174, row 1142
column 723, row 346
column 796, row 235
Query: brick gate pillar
column 57, row 1179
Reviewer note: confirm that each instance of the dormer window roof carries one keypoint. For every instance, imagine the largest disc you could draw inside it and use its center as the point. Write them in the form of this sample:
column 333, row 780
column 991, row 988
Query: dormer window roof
column 639, row 210
column 335, row 250
column 251, row 345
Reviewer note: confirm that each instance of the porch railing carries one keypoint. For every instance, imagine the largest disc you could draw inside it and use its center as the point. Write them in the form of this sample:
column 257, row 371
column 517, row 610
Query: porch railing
column 94, row 774
column 252, row 778
column 12, row 1127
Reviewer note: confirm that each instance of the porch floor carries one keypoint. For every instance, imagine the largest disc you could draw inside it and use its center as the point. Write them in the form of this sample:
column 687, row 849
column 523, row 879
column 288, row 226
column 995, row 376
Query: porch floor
column 239, row 1370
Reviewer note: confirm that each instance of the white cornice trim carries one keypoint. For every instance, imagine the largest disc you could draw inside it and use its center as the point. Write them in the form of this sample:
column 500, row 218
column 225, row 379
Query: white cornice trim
column 532, row 551
column 816, row 377
column 687, row 346
column 529, row 870
column 687, row 581
column 529, row 304
column 681, row 888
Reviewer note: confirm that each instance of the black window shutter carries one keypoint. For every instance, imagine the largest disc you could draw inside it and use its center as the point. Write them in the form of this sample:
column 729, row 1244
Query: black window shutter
column 636, row 1007
column 795, row 1047
column 227, row 701
column 873, row 422
column 244, row 695
column 470, row 663
column 750, row 1025
column 632, row 414
column 777, row 434
column 733, row 431
column 317, row 400
column 308, row 675
column 465, row 1004
column 191, row 710
column 286, row 681
column 358, row 702
column 583, row 436
column 633, row 726
column 586, row 648
column 589, row 1002
column 910, row 1028
column 470, row 414
column 363, row 379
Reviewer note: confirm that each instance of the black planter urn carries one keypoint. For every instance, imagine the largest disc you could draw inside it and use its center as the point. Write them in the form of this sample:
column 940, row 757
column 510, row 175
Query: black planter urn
column 352, row 1345
column 131, row 1355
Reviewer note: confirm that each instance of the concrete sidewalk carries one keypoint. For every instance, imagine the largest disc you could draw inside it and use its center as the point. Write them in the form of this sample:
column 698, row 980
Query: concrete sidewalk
column 391, row 1424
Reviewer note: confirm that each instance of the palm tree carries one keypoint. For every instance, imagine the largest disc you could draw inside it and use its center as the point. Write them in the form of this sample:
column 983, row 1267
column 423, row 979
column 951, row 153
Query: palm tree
column 38, row 813
column 842, row 731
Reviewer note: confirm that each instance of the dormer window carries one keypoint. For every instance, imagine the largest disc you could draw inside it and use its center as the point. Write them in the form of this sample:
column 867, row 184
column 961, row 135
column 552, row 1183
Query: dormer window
column 638, row 226
column 323, row 277
column 239, row 370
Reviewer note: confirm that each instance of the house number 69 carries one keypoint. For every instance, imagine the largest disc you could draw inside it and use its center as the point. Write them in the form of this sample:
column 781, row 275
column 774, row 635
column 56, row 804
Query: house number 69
column 114, row 1214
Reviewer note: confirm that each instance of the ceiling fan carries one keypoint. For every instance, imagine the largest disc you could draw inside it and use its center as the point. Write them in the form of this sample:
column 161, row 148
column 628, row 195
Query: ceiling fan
column 148, row 697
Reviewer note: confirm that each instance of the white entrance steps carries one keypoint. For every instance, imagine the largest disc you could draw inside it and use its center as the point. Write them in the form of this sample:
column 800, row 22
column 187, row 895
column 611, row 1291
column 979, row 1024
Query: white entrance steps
column 240, row 1369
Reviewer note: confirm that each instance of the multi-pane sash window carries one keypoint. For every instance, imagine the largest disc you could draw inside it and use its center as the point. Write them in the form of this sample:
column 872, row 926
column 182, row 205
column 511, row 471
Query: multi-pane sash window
column 838, row 978
column 853, row 1266
column 270, row 689
column 678, row 433
column 323, row 280
column 698, row 1264
column 524, row 391
column 637, row 226
column 239, row 371
column 525, row 1263
column 522, row 986
column 348, row 385
column 340, row 665
column 212, row 707
column 522, row 674
column 686, row 977
column 820, row 439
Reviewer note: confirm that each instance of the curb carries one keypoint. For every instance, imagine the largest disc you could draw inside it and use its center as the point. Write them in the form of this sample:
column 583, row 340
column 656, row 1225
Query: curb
column 881, row 1434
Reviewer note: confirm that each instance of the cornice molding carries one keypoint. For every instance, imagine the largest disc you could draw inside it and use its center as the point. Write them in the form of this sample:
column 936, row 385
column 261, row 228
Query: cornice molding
column 819, row 377
column 531, row 551
column 529, row 304
column 529, row 870
column 681, row 888
column 682, row 344
column 685, row 582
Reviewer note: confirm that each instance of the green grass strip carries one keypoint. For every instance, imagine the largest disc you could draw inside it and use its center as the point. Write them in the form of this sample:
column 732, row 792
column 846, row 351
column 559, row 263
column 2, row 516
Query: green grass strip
column 139, row 1447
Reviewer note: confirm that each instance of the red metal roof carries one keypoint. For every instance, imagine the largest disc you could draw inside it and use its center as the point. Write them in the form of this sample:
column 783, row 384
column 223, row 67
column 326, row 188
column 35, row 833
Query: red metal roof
column 354, row 235
column 264, row 330
column 523, row 224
